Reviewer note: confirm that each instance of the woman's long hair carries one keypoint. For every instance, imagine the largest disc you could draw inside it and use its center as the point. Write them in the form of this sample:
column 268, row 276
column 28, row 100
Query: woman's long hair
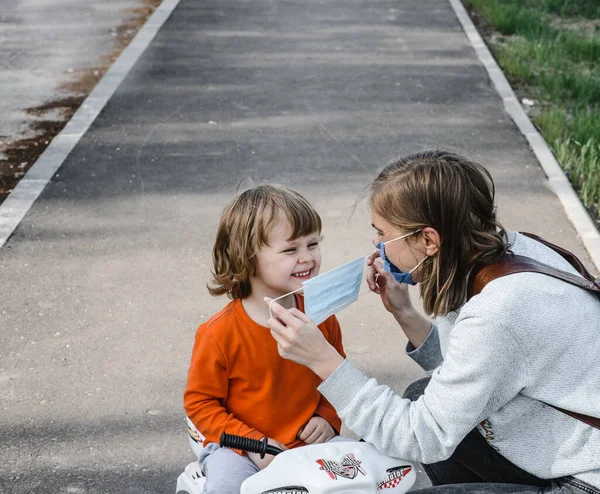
column 454, row 196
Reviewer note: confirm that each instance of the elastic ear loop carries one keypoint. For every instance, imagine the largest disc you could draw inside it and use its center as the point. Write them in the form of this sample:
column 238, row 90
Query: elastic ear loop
column 402, row 236
column 279, row 298
column 418, row 265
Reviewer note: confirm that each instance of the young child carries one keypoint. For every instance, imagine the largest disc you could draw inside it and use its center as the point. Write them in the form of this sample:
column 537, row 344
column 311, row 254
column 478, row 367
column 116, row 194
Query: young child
column 267, row 244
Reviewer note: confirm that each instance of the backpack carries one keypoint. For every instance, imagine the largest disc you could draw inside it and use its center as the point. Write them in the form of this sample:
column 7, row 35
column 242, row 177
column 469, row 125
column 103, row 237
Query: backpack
column 511, row 263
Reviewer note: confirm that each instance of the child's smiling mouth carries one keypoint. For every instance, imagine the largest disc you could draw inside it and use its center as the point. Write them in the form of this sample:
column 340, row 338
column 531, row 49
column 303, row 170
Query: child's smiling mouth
column 302, row 274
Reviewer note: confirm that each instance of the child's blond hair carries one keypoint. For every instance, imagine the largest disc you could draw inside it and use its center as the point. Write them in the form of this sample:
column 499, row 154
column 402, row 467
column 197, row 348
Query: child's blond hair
column 244, row 229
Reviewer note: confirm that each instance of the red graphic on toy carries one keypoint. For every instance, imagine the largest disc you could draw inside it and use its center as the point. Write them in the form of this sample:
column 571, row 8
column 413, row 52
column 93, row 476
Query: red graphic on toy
column 394, row 477
column 347, row 468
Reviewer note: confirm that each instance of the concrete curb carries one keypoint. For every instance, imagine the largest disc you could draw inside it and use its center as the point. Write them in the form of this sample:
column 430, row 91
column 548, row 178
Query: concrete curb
column 577, row 214
column 29, row 188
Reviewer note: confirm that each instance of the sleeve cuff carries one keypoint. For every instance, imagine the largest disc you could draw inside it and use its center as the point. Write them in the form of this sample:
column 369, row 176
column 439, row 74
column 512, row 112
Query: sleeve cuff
column 428, row 355
column 343, row 385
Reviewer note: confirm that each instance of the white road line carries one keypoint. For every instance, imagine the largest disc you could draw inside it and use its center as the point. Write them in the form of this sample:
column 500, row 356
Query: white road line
column 29, row 188
column 559, row 183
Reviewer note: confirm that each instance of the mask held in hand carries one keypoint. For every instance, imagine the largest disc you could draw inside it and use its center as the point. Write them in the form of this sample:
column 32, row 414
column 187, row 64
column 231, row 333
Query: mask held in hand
column 330, row 292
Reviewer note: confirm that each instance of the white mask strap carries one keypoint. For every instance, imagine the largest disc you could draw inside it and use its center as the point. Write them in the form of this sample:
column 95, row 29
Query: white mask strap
column 421, row 262
column 279, row 298
column 401, row 236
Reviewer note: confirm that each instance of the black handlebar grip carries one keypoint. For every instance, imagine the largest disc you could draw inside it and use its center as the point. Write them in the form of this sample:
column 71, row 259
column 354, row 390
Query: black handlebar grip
column 248, row 445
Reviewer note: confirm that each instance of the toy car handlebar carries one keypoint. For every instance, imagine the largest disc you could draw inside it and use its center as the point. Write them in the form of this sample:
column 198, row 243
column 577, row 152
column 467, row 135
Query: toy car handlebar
column 261, row 447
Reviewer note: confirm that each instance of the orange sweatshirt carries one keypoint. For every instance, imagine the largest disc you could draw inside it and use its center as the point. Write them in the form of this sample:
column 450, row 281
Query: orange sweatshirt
column 238, row 383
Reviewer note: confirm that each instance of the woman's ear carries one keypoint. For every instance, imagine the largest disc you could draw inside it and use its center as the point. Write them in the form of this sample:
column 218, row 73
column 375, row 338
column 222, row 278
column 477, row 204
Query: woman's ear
column 431, row 241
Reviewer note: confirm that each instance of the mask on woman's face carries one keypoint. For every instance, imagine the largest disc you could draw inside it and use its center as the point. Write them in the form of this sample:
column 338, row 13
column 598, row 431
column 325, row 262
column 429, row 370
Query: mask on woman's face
column 399, row 275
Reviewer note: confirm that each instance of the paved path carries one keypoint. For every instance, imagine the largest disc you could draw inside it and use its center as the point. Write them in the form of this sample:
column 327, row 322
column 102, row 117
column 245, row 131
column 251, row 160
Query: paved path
column 53, row 53
column 103, row 283
column 46, row 47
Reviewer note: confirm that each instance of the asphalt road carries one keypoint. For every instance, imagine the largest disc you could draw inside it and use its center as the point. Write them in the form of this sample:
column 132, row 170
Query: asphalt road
column 103, row 283
column 46, row 47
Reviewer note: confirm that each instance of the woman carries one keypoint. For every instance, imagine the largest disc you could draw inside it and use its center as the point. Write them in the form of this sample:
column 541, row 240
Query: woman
column 482, row 422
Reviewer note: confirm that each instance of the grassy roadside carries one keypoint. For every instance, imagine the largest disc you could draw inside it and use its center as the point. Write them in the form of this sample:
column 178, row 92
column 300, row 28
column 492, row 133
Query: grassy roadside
column 550, row 52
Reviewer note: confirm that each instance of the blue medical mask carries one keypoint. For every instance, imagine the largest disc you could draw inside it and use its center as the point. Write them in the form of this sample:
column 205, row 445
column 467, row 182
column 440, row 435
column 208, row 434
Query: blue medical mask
column 399, row 276
column 330, row 292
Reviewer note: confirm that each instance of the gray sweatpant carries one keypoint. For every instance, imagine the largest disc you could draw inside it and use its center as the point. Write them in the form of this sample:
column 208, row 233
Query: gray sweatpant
column 225, row 470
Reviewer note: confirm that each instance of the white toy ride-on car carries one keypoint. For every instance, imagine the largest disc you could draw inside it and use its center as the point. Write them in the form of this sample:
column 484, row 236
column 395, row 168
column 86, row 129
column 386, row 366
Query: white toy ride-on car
column 340, row 467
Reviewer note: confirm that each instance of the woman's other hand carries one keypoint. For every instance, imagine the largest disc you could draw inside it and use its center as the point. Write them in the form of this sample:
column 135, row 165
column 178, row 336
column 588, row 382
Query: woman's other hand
column 300, row 340
column 262, row 463
column 394, row 295
column 396, row 300
column 317, row 430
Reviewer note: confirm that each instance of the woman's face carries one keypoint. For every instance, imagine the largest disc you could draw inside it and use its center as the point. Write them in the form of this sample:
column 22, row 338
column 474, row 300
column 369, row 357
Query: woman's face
column 405, row 253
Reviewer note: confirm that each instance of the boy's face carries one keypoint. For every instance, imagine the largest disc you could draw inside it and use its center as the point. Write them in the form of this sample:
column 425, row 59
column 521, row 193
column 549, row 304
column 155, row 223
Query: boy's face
column 284, row 264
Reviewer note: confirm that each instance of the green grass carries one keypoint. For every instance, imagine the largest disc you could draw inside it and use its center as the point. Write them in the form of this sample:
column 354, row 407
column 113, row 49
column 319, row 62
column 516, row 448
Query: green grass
column 581, row 161
column 589, row 9
column 550, row 51
column 510, row 18
column 583, row 8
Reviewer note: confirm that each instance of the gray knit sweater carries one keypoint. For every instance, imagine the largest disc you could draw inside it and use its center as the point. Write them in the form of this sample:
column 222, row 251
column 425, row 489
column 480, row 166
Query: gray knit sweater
column 526, row 339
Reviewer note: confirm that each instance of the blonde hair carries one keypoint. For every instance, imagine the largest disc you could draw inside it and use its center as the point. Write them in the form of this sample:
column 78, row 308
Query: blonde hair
column 454, row 196
column 244, row 229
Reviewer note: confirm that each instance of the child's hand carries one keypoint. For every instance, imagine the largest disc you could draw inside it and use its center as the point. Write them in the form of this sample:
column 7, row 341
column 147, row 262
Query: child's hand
column 317, row 430
column 263, row 463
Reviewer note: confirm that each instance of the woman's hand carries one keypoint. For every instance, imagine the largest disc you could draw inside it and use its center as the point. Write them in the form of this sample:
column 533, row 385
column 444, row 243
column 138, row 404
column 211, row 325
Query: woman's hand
column 300, row 340
column 262, row 463
column 396, row 300
column 394, row 295
column 317, row 430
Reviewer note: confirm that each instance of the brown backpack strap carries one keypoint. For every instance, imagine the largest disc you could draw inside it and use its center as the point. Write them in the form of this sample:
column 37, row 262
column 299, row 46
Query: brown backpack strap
column 572, row 259
column 510, row 264
column 586, row 419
